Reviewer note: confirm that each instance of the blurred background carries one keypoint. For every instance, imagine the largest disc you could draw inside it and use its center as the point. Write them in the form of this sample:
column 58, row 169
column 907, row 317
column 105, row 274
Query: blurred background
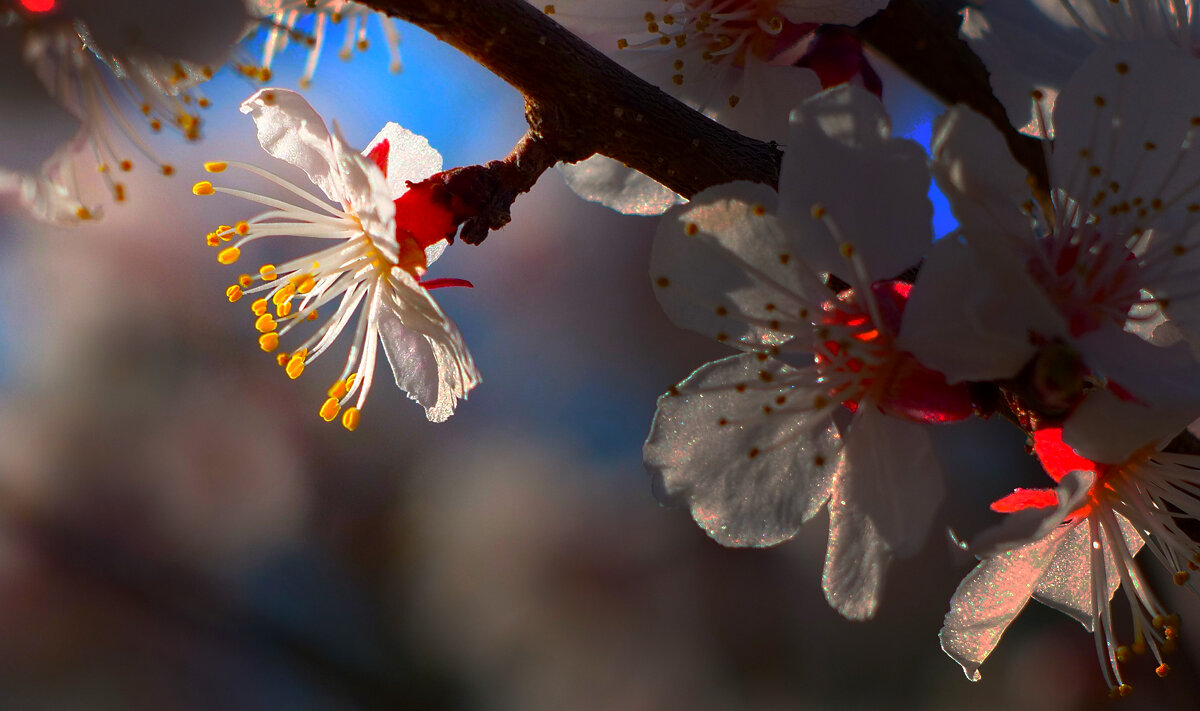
column 180, row 530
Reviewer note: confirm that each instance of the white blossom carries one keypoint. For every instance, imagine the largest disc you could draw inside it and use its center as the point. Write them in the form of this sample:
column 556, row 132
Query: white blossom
column 375, row 258
column 1081, row 550
column 1119, row 238
column 821, row 407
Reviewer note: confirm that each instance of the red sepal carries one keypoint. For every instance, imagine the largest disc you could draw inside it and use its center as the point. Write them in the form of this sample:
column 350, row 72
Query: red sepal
column 1022, row 499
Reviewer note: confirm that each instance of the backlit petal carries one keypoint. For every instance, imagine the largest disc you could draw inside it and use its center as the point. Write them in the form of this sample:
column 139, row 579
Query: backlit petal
column 291, row 130
column 892, row 477
column 722, row 266
column 990, row 598
column 750, row 468
column 841, row 157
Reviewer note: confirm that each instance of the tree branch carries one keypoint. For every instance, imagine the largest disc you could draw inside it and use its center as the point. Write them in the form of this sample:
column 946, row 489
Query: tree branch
column 583, row 103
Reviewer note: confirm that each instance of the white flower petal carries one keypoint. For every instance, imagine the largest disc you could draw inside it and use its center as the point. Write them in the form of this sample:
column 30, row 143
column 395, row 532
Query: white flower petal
column 291, row 130
column 855, row 562
column 365, row 191
column 830, row 12
column 841, row 157
column 973, row 309
column 1166, row 376
column 766, row 95
column 429, row 360
column 1025, row 527
column 990, row 598
column 410, row 157
column 892, row 477
column 722, row 266
column 755, row 479
column 1066, row 585
column 985, row 185
column 612, row 184
column 1105, row 135
column 1106, row 429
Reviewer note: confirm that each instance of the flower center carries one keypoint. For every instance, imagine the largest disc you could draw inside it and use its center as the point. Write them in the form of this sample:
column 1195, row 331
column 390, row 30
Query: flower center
column 1090, row 277
column 860, row 360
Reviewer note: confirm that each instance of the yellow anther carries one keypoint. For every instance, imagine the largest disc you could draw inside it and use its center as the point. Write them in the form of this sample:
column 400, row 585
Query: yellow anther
column 242, row 228
column 265, row 323
column 281, row 359
column 350, row 418
column 245, row 280
column 126, row 165
column 283, row 295
column 330, row 409
column 119, row 192
column 1163, row 669
column 229, row 255
column 1125, row 690
column 283, row 309
column 312, row 315
column 350, row 380
column 622, row 43
column 203, row 188
column 846, row 249
column 203, row 101
column 549, row 9
column 167, row 169
column 306, row 284
column 295, row 366
column 155, row 125
column 362, row 45
column 817, row 211
column 233, row 293
column 268, row 341
column 267, row 272
column 259, row 307
column 1181, row 577
column 211, row 239
column 337, row 390
column 83, row 213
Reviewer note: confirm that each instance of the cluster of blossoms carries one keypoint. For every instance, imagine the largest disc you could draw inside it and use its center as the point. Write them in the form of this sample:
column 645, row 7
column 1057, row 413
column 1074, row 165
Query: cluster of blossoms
column 1081, row 303
column 857, row 331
